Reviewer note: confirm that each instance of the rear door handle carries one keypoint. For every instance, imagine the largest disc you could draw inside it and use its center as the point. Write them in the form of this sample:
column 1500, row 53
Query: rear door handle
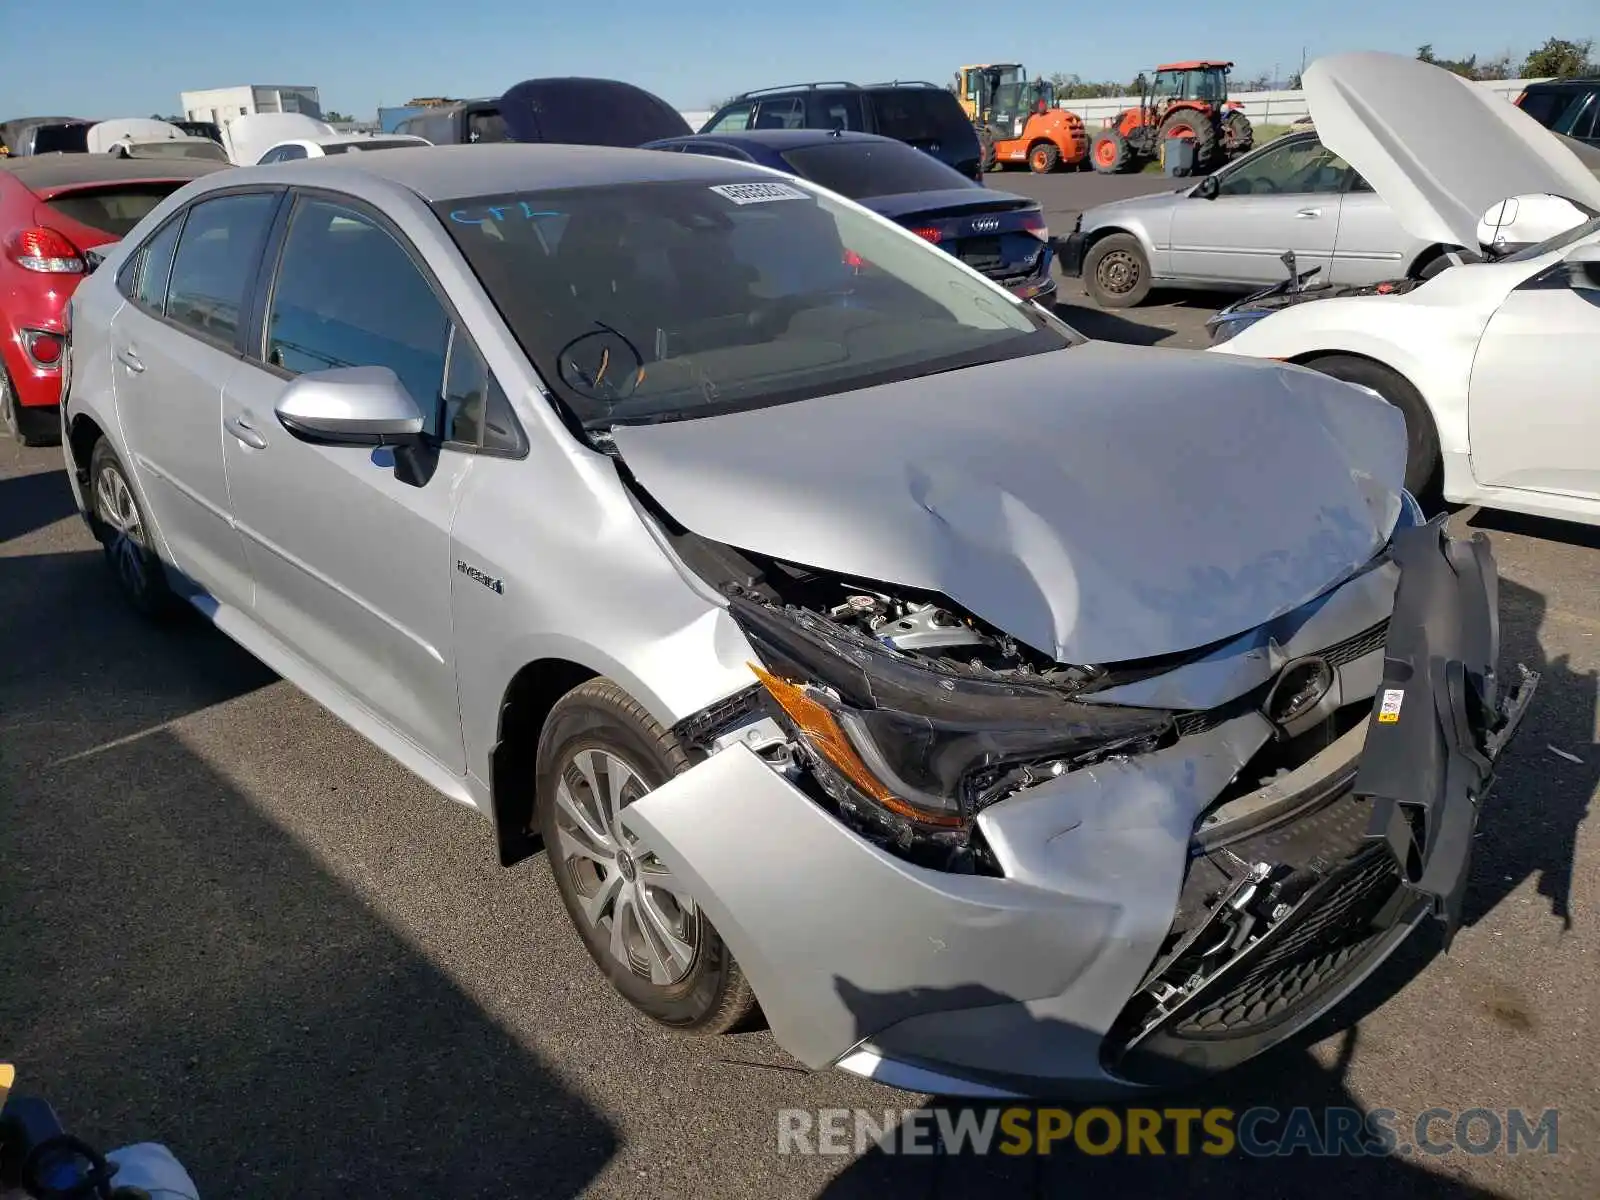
column 1309, row 212
column 245, row 432
column 130, row 359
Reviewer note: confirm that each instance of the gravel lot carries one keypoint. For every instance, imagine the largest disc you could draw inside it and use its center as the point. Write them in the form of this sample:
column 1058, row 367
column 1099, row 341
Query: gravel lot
column 231, row 925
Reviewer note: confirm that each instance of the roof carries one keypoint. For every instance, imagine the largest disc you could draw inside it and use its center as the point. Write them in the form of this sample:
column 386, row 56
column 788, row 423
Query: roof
column 783, row 139
column 1194, row 64
column 44, row 172
column 438, row 173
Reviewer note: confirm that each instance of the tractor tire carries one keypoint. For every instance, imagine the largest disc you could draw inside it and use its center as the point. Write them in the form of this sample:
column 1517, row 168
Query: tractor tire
column 1109, row 152
column 1043, row 157
column 1238, row 135
column 986, row 148
column 1189, row 122
column 1116, row 273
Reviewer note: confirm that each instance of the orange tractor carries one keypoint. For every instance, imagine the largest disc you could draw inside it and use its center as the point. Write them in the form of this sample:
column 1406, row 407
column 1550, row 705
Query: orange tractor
column 1186, row 100
column 1018, row 121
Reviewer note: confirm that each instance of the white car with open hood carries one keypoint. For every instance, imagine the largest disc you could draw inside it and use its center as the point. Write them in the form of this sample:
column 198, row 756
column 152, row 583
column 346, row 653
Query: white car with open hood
column 1494, row 363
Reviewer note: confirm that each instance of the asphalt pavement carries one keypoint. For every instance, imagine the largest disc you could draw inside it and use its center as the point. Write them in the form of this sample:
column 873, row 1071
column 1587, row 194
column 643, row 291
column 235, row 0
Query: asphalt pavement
column 229, row 924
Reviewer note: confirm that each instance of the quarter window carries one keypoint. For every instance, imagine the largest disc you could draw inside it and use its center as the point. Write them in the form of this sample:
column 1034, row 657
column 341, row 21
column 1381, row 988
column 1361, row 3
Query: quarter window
column 155, row 267
column 217, row 253
column 349, row 295
column 477, row 415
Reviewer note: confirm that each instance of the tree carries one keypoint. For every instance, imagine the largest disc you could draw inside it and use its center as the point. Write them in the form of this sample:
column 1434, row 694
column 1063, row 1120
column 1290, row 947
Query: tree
column 334, row 117
column 1296, row 82
column 1257, row 83
column 1560, row 58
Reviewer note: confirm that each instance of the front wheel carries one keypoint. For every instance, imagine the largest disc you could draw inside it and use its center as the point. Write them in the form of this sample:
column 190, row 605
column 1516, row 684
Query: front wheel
column 1043, row 158
column 1424, row 467
column 598, row 753
column 1116, row 273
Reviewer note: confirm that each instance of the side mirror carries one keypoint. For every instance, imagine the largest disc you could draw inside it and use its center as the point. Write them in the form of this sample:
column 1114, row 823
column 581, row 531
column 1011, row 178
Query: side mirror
column 1526, row 221
column 1208, row 188
column 351, row 406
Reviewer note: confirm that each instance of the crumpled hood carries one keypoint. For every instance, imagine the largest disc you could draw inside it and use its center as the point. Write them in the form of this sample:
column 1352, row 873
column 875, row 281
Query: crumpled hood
column 1100, row 504
column 1439, row 149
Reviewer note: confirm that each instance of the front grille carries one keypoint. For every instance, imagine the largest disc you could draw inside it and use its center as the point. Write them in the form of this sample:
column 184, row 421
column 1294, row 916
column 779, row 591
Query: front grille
column 1271, row 930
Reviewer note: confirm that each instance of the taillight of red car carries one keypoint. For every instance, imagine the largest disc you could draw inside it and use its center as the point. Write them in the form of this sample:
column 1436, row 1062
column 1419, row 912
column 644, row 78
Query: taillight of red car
column 46, row 251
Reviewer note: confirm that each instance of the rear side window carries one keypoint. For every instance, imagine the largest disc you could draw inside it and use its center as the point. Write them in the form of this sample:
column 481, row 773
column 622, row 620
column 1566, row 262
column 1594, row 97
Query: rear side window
column 914, row 114
column 113, row 210
column 155, row 267
column 217, row 254
column 486, row 125
column 349, row 295
column 836, row 110
column 1545, row 106
column 862, row 169
column 734, row 117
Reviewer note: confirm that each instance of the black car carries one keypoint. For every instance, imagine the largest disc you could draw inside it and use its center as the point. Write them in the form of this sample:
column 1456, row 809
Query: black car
column 573, row 110
column 923, row 115
column 1568, row 106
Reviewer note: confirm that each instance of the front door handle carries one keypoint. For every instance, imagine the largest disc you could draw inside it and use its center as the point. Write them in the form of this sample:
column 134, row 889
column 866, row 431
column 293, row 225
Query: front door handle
column 245, row 432
column 129, row 358
column 1309, row 212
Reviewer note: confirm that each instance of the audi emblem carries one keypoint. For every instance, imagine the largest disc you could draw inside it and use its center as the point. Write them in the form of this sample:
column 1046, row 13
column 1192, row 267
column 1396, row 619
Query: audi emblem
column 986, row 225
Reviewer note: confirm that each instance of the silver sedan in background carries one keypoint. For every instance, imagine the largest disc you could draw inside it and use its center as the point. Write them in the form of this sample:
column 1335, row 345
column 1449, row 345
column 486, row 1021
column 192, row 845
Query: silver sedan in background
column 1231, row 229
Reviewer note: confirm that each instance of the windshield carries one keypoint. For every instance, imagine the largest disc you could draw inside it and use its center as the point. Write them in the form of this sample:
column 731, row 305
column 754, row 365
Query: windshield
column 201, row 148
column 54, row 139
column 114, row 209
column 1560, row 242
column 370, row 144
column 668, row 300
column 863, row 169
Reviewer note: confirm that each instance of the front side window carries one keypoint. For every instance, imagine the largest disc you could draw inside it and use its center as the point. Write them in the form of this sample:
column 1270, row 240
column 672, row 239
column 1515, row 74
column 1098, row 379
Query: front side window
column 678, row 299
column 1293, row 168
column 347, row 294
column 735, row 116
column 789, row 113
column 216, row 256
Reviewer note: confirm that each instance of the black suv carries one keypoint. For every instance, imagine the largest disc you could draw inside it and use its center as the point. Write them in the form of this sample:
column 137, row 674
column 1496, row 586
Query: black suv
column 1569, row 106
column 576, row 110
column 923, row 115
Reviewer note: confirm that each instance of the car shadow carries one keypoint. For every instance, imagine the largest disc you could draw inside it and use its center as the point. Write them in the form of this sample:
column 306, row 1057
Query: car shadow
column 180, row 968
column 33, row 501
column 1106, row 326
column 1260, row 1163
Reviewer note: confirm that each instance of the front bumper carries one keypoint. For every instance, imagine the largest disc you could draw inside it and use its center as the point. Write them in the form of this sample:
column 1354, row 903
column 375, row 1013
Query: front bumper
column 1069, row 253
column 1134, row 938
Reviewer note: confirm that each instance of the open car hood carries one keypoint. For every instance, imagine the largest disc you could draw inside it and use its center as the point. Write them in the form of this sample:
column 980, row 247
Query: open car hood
column 1100, row 504
column 1439, row 149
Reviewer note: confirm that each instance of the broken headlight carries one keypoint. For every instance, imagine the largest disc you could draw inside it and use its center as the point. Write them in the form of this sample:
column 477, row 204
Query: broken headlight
column 922, row 741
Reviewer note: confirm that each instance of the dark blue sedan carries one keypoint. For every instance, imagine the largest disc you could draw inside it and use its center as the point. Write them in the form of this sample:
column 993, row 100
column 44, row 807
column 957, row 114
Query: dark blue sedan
column 997, row 233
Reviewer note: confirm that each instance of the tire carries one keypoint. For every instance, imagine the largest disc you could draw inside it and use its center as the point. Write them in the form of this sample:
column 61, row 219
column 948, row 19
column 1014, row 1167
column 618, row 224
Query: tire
column 1043, row 157
column 1424, row 467
column 1239, row 135
column 986, row 146
column 687, row 981
column 26, row 426
column 1116, row 273
column 127, row 536
column 1109, row 152
column 1200, row 127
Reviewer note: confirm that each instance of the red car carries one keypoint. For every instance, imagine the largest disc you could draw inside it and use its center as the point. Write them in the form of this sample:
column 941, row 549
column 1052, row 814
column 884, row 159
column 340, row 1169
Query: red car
column 54, row 208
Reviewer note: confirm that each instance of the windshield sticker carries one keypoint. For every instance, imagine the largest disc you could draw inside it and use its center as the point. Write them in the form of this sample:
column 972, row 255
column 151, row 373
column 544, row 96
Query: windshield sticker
column 758, row 193
column 500, row 212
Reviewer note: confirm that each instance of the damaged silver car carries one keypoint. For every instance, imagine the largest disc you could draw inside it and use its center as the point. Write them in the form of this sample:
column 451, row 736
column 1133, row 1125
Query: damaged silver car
column 855, row 638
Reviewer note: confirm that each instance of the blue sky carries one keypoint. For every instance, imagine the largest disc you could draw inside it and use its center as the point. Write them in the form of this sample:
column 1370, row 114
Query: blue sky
column 694, row 51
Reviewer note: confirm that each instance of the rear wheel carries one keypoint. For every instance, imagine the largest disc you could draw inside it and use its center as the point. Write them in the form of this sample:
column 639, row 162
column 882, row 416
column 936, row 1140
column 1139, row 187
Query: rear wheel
column 1116, row 273
column 1109, row 152
column 28, row 426
column 1424, row 468
column 599, row 752
column 1043, row 157
column 126, row 535
column 1193, row 124
column 986, row 144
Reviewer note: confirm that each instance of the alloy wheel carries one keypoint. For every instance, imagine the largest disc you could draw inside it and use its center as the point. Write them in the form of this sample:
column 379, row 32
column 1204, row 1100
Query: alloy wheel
column 119, row 513
column 630, row 898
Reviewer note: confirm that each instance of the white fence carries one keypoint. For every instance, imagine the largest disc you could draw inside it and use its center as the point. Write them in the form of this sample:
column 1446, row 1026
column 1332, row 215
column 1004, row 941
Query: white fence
column 1263, row 108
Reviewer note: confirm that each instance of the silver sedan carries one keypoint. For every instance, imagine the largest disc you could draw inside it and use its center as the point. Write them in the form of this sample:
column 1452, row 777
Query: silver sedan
column 1231, row 229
